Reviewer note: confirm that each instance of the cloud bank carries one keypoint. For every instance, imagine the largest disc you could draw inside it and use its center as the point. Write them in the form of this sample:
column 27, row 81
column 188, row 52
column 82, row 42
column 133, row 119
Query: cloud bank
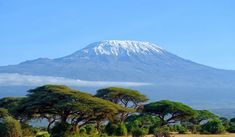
column 10, row 79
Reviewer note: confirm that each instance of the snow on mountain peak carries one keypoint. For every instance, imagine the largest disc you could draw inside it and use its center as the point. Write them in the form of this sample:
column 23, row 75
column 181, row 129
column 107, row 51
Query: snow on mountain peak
column 119, row 47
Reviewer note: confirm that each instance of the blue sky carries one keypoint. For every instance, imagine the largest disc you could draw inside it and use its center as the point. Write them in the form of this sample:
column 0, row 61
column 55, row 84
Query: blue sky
column 200, row 30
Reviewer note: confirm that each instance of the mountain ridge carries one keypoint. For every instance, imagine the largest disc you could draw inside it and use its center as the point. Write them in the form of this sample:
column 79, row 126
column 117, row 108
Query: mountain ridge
column 171, row 76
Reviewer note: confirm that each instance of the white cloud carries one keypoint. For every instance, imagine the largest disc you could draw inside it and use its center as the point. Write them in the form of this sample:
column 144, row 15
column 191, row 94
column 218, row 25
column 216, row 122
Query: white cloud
column 10, row 79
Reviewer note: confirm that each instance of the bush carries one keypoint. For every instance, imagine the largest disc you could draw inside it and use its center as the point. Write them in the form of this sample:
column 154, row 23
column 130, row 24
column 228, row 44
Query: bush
column 213, row 127
column 121, row 130
column 178, row 128
column 110, row 128
column 62, row 130
column 113, row 129
column 9, row 127
column 231, row 129
column 139, row 132
column 162, row 132
column 181, row 129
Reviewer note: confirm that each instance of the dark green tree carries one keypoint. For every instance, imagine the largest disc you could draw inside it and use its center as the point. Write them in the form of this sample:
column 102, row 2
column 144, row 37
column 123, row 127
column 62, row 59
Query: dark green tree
column 169, row 111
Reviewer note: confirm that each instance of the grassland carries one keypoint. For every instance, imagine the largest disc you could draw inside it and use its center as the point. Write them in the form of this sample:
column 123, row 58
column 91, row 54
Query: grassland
column 198, row 135
column 224, row 135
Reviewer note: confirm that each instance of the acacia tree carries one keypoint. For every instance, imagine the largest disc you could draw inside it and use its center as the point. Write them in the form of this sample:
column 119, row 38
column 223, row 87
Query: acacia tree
column 127, row 98
column 64, row 105
column 169, row 111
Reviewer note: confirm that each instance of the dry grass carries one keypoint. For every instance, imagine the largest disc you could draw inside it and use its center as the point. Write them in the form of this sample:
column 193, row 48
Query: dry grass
column 190, row 135
column 224, row 135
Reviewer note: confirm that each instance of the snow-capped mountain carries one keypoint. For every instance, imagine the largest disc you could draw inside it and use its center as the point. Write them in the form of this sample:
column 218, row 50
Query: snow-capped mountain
column 135, row 61
column 120, row 48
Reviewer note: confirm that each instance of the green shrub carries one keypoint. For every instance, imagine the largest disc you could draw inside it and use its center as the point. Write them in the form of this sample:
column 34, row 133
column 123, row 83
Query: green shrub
column 62, row 130
column 9, row 127
column 162, row 132
column 121, row 130
column 139, row 132
column 213, row 127
column 111, row 128
column 231, row 128
column 181, row 129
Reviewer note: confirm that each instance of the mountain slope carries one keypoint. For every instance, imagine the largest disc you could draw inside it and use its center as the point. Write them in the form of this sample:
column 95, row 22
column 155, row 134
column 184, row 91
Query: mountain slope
column 122, row 61
column 171, row 76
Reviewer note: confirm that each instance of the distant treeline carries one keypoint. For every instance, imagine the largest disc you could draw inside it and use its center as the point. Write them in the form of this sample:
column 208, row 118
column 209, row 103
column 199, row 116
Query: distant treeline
column 111, row 111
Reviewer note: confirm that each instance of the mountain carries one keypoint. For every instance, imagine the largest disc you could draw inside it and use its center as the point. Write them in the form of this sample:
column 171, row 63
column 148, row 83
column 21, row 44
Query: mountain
column 171, row 77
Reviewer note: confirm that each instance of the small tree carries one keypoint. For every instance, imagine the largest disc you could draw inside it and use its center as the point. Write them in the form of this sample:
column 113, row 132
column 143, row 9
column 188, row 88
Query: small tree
column 169, row 111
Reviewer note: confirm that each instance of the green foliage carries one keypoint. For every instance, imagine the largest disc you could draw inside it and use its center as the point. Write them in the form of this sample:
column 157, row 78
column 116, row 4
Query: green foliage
column 61, row 130
column 73, row 113
column 121, row 130
column 11, row 104
column 127, row 98
column 90, row 129
column 162, row 132
column 213, row 127
column 225, row 122
column 169, row 111
column 232, row 120
column 231, row 128
column 54, row 101
column 4, row 113
column 139, row 132
column 178, row 128
column 142, row 121
column 202, row 116
column 9, row 127
column 121, row 95
column 116, row 129
column 111, row 128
